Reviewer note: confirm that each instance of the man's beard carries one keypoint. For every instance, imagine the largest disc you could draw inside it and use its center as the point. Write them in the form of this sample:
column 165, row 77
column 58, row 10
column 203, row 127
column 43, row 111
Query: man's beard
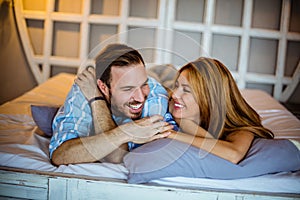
column 116, row 112
column 134, row 116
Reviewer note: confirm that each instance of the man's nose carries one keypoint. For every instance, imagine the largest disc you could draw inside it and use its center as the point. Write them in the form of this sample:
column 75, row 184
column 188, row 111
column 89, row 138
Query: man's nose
column 138, row 95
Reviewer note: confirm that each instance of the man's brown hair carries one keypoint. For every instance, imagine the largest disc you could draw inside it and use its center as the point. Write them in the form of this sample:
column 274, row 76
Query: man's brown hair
column 115, row 55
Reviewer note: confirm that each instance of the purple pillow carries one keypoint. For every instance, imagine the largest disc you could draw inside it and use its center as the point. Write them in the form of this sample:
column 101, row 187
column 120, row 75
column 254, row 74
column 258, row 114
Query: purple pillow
column 43, row 117
column 170, row 158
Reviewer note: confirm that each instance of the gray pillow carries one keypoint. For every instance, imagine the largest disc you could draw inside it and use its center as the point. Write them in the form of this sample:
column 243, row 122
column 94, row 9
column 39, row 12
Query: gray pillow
column 171, row 158
column 43, row 117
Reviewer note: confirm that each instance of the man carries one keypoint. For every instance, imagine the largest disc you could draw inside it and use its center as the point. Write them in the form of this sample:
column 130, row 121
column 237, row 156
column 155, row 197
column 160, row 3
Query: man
column 83, row 129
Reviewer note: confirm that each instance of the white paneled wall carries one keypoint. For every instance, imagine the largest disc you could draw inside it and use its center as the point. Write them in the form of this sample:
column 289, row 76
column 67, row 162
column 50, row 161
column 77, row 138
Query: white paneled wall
column 258, row 40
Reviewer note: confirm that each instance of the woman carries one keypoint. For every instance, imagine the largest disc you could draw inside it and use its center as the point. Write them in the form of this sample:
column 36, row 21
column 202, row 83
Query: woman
column 211, row 112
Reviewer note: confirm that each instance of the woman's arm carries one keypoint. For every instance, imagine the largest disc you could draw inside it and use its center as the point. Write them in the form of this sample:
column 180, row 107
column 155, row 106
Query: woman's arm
column 233, row 149
column 190, row 127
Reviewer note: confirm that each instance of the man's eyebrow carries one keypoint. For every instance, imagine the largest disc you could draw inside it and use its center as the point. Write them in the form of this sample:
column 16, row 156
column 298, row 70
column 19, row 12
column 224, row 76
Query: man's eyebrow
column 126, row 87
column 131, row 86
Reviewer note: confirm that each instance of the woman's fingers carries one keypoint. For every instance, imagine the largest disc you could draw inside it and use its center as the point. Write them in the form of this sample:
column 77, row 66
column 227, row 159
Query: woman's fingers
column 161, row 135
column 155, row 122
column 165, row 128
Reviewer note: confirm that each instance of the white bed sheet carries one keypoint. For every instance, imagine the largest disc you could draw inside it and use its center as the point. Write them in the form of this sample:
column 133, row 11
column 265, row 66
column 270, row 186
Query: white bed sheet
column 21, row 147
column 274, row 115
column 272, row 183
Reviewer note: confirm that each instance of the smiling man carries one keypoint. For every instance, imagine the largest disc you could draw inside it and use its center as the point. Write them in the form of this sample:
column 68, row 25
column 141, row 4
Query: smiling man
column 129, row 90
column 110, row 111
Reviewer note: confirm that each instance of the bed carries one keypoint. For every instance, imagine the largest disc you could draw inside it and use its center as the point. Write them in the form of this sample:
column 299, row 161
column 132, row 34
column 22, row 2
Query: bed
column 26, row 171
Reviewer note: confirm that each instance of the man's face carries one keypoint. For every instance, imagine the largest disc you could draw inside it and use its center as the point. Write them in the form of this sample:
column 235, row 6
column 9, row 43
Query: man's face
column 129, row 90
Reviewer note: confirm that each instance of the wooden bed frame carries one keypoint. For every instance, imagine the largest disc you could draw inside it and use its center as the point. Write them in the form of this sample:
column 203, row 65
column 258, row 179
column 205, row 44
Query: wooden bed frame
column 18, row 183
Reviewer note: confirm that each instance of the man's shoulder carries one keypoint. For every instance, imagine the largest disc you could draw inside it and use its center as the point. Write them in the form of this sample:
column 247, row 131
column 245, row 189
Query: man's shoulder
column 152, row 82
column 156, row 87
column 74, row 105
column 75, row 89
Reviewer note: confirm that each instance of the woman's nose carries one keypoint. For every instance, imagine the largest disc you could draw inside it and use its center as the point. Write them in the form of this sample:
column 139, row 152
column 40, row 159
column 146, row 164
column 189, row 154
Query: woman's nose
column 175, row 93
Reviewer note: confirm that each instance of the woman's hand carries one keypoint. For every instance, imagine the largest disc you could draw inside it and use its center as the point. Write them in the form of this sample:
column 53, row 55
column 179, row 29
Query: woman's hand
column 88, row 83
column 146, row 129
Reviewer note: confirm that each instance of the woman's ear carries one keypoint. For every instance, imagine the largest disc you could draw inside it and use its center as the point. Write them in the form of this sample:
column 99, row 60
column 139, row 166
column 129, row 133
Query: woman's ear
column 103, row 88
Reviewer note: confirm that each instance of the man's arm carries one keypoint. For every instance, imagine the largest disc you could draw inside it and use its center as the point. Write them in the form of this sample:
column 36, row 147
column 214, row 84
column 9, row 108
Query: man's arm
column 103, row 122
column 102, row 118
column 95, row 148
column 108, row 142
column 72, row 140
column 88, row 149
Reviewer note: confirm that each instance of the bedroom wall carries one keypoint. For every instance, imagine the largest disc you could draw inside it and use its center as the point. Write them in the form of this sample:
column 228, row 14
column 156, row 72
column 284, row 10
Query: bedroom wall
column 16, row 71
column 15, row 77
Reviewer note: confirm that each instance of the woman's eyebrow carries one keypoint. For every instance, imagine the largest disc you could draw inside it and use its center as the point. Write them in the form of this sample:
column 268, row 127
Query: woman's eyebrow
column 186, row 85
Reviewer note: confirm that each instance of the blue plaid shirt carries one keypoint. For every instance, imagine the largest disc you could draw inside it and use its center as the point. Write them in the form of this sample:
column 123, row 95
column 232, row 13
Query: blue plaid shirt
column 74, row 118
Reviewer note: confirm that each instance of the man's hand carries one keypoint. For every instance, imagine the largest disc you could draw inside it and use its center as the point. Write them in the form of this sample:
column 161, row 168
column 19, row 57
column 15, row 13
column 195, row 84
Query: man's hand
column 146, row 129
column 88, row 83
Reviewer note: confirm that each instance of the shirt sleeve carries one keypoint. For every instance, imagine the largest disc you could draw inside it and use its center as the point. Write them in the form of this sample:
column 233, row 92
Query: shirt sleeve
column 73, row 120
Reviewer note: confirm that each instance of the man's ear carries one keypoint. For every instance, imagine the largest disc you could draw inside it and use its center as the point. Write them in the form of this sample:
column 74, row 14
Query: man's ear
column 103, row 88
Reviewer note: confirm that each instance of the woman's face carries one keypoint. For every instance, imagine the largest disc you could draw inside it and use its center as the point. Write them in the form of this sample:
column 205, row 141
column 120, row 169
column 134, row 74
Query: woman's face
column 183, row 103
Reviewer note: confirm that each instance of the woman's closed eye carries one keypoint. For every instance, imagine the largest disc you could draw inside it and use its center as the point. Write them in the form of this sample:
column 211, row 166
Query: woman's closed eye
column 187, row 89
